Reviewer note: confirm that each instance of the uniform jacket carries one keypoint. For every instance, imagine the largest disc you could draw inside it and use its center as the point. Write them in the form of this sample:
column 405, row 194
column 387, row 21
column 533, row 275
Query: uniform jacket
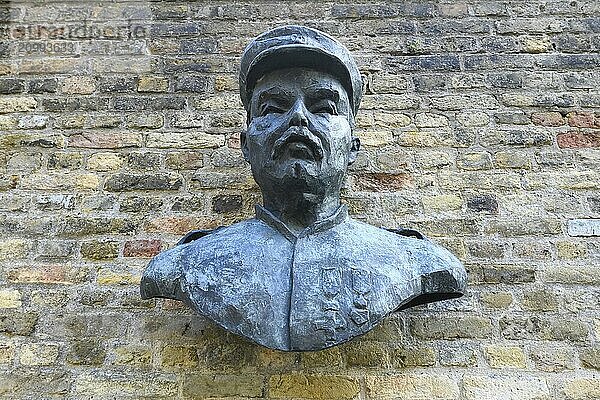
column 335, row 280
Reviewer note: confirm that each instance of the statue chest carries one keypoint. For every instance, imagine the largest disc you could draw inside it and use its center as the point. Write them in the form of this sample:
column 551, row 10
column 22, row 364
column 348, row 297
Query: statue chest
column 306, row 294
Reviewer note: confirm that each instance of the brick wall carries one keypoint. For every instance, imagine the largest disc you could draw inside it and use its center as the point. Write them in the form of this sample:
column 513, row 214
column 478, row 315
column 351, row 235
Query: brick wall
column 119, row 133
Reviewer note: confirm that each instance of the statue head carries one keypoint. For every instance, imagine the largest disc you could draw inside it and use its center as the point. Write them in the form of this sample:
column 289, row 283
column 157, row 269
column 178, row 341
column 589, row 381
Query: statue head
column 301, row 90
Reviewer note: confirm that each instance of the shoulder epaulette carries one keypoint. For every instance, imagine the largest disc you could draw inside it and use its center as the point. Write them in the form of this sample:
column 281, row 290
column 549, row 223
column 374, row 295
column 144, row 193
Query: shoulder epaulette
column 407, row 232
column 194, row 235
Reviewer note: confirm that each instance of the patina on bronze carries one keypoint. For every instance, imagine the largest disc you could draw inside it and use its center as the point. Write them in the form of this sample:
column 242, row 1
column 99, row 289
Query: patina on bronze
column 301, row 275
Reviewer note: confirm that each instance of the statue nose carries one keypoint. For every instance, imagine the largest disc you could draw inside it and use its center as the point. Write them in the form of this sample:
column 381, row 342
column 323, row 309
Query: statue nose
column 298, row 114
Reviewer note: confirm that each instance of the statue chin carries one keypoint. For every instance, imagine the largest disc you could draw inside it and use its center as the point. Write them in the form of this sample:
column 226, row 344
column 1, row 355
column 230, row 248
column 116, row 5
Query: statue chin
column 299, row 179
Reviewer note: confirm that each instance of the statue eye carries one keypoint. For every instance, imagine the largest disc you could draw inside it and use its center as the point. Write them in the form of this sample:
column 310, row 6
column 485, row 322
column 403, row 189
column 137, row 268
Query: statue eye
column 270, row 109
column 325, row 107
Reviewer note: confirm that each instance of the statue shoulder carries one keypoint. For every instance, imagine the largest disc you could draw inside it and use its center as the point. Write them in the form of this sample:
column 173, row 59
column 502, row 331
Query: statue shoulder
column 441, row 274
column 162, row 275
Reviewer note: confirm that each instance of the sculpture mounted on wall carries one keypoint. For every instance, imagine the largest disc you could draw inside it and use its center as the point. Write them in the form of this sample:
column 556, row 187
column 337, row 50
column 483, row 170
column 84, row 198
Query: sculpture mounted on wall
column 302, row 274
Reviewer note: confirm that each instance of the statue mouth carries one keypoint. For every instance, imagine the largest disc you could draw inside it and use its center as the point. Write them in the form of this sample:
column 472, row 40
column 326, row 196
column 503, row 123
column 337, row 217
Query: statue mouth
column 298, row 143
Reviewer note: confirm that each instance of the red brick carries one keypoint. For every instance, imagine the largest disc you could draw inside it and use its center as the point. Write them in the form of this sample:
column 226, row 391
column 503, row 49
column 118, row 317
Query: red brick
column 584, row 120
column 49, row 274
column 380, row 182
column 142, row 248
column 179, row 225
column 548, row 119
column 575, row 140
column 168, row 304
column 234, row 141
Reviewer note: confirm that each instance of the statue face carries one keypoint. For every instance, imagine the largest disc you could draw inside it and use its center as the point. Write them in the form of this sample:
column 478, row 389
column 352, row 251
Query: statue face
column 299, row 136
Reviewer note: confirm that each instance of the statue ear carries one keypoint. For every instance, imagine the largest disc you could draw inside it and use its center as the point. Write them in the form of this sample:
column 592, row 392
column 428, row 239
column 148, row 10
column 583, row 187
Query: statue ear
column 354, row 147
column 244, row 145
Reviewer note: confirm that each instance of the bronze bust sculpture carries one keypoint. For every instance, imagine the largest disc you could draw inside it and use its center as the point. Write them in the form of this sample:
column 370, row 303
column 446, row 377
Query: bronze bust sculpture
column 302, row 274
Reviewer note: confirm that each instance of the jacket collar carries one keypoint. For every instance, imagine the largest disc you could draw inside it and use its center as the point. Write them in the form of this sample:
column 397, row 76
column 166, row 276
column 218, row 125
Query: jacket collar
column 339, row 216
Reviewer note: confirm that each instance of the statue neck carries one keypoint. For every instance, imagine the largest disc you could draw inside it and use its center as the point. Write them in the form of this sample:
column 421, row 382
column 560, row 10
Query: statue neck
column 298, row 211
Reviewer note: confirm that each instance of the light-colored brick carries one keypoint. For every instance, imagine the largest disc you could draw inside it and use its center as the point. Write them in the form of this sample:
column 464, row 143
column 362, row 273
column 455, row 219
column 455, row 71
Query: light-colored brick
column 108, row 277
column 460, row 102
column 537, row 44
column 427, row 137
column 317, row 387
column 139, row 356
column 184, row 140
column 390, row 119
column 48, row 274
column 10, row 298
column 124, row 65
column 189, row 120
column 517, row 99
column 425, row 120
column 512, row 159
column 78, row 85
column 475, row 161
column 7, row 352
column 179, row 357
column 35, row 354
column 11, row 249
column 53, row 66
column 49, row 298
column 57, row 182
column 582, row 388
column 573, row 274
column 390, row 102
column 155, row 84
column 24, row 162
column 494, row 387
column 375, row 138
column 501, row 300
column 100, row 121
column 499, row 356
column 473, row 118
column 452, row 327
column 225, row 83
column 553, row 358
column 141, row 121
column 434, row 159
column 445, row 202
column 574, row 180
column 571, row 250
column 105, row 162
column 119, row 385
column 329, row 358
column 366, row 353
column 223, row 386
column 218, row 102
column 7, row 122
column 540, row 300
column 100, row 249
column 70, row 121
column 105, row 140
column 33, row 122
column 412, row 386
column 17, row 104
column 388, row 83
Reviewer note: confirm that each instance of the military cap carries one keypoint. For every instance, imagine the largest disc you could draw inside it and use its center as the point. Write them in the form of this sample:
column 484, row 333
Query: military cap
column 298, row 46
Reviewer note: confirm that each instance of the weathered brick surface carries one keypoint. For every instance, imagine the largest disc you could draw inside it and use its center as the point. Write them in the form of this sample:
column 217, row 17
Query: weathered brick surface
column 119, row 132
